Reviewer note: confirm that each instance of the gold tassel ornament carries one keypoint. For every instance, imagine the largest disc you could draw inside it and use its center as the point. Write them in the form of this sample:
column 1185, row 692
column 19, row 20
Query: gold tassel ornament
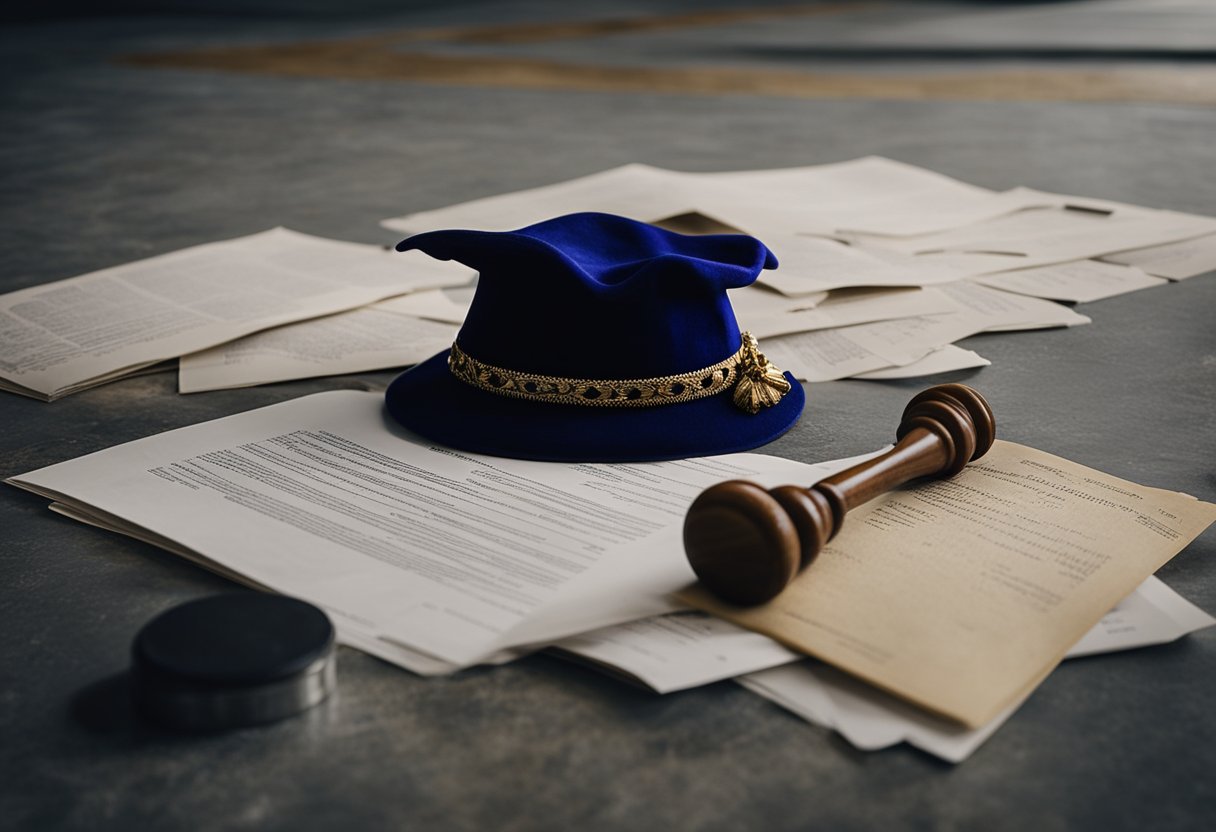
column 760, row 383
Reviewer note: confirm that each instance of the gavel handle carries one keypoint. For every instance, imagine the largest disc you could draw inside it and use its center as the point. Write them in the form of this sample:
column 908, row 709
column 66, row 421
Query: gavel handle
column 920, row 453
column 746, row 544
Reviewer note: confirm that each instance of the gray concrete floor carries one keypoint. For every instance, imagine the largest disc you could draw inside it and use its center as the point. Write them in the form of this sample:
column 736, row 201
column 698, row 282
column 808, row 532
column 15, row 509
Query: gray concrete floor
column 104, row 162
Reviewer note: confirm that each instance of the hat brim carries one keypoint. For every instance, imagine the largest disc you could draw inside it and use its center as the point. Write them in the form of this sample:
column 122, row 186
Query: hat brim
column 430, row 401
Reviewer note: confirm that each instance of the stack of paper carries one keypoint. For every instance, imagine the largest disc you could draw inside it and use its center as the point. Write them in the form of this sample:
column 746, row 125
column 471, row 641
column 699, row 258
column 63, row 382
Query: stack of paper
column 436, row 560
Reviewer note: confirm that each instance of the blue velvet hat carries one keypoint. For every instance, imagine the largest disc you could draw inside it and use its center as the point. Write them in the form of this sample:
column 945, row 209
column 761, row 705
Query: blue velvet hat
column 592, row 337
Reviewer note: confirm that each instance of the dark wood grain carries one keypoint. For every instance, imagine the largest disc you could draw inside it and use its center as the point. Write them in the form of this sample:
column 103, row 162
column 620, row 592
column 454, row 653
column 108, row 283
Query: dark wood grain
column 746, row 543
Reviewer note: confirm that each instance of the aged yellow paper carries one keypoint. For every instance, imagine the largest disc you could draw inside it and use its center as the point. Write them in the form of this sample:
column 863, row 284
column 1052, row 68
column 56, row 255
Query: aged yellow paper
column 962, row 594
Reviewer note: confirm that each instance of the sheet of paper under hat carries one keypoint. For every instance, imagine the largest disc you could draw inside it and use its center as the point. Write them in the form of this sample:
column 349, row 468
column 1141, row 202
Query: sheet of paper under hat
column 453, row 555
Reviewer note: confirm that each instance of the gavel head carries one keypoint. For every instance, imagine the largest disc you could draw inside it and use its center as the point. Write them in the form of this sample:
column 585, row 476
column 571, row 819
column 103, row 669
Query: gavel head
column 741, row 542
column 746, row 543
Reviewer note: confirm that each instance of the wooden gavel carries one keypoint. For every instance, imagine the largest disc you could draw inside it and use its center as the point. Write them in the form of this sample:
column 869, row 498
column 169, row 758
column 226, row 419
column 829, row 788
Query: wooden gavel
column 746, row 543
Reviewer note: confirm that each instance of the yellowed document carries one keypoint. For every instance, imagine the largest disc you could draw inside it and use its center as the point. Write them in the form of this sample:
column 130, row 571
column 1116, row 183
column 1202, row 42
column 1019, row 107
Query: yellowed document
column 961, row 595
column 871, row 719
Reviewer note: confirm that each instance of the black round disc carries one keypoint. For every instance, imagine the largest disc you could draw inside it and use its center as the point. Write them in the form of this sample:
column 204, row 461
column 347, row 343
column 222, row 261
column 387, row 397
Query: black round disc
column 232, row 660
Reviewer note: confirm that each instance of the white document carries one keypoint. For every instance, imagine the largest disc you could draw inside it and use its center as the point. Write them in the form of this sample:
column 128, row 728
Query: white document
column 637, row 191
column 351, row 629
column 1080, row 281
column 865, row 716
column 870, row 194
column 72, row 334
column 758, row 301
column 453, row 555
column 812, row 264
column 1176, row 261
column 1044, row 236
column 871, row 719
column 361, row 340
column 767, row 314
column 445, row 305
column 678, row 651
column 947, row 359
column 1153, row 614
column 848, row 351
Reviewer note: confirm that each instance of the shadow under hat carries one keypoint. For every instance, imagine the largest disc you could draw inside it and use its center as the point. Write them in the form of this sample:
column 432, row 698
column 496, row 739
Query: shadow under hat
column 600, row 298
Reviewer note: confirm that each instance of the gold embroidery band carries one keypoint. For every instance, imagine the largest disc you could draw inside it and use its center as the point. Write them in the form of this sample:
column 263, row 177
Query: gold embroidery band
column 756, row 383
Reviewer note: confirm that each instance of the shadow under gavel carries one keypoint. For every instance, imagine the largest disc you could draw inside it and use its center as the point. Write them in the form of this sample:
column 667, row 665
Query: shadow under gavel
column 746, row 543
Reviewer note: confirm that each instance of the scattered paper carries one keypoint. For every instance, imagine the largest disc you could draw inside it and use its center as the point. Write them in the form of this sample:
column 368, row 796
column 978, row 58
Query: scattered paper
column 446, row 305
column 810, row 264
column 1153, row 614
column 1081, row 281
column 638, row 191
column 813, row 265
column 945, row 359
column 865, row 716
column 767, row 314
column 829, row 354
column 960, row 595
column 843, row 352
column 73, row 334
column 869, row 194
column 1044, row 236
column 678, row 651
column 361, row 340
column 910, row 226
column 1176, row 261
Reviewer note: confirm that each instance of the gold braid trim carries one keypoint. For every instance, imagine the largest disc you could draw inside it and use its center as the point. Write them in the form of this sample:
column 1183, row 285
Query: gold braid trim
column 757, row 383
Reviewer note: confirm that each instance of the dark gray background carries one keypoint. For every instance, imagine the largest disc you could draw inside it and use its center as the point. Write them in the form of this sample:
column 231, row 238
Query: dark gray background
column 103, row 164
